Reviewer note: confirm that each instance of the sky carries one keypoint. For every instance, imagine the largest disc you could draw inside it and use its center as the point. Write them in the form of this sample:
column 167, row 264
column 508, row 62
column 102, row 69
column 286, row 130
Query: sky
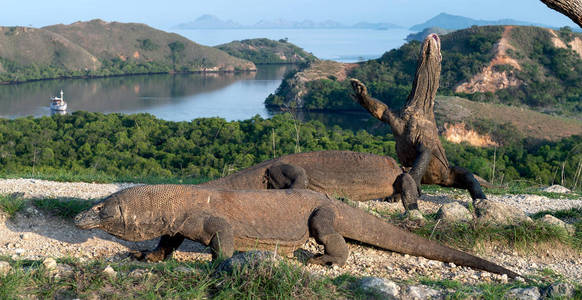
column 165, row 14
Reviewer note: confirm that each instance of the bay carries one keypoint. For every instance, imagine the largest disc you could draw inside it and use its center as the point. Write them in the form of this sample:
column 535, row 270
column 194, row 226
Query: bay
column 180, row 97
column 183, row 97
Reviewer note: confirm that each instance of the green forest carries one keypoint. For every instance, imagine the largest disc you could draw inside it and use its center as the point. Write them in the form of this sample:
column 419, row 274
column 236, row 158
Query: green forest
column 142, row 148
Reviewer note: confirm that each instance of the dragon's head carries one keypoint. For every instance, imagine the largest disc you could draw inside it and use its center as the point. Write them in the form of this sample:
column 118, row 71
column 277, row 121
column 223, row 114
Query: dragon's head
column 426, row 80
column 431, row 49
column 105, row 214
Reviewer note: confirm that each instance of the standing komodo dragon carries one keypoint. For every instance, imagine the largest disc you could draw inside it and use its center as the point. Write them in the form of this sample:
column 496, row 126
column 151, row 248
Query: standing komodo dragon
column 417, row 141
column 353, row 175
column 266, row 219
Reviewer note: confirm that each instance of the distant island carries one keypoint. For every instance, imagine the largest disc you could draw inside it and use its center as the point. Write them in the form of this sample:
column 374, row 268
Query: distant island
column 98, row 48
column 213, row 22
column 266, row 51
column 419, row 36
column 453, row 22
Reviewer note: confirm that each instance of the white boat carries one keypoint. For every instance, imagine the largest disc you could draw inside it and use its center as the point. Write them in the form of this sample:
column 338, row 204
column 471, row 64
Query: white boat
column 58, row 104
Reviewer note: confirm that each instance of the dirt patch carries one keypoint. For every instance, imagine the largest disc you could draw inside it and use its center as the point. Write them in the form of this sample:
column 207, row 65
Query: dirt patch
column 575, row 44
column 458, row 133
column 490, row 80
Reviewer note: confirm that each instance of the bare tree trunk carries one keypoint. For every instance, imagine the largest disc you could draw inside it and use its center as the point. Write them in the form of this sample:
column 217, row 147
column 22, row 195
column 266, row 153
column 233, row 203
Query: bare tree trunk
column 570, row 8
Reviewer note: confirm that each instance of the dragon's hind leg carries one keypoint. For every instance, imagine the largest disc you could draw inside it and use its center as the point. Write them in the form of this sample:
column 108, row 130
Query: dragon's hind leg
column 463, row 179
column 286, row 176
column 321, row 228
column 222, row 237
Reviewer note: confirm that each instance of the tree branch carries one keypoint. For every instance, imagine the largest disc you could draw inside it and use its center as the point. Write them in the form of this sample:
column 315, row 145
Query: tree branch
column 570, row 8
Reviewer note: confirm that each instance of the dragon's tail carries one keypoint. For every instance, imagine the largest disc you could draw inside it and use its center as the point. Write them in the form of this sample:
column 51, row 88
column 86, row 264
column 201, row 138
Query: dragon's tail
column 358, row 225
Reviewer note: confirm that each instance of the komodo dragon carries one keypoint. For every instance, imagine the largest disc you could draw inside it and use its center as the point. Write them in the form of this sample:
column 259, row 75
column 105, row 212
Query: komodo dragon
column 417, row 141
column 354, row 175
column 229, row 220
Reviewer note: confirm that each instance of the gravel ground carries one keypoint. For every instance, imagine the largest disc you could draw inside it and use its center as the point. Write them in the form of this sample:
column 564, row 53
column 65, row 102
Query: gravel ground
column 35, row 235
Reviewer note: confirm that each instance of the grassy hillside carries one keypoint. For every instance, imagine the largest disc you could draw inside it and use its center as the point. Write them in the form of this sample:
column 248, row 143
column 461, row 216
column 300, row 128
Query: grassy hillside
column 99, row 48
column 521, row 66
column 265, row 51
column 505, row 124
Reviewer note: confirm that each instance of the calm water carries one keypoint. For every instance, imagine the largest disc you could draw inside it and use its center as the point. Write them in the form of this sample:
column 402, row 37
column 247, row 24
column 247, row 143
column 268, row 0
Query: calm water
column 168, row 97
column 346, row 45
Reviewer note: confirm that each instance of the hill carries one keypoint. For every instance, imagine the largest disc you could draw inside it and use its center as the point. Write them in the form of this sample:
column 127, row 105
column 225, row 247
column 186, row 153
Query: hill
column 453, row 22
column 531, row 67
column 265, row 51
column 98, row 48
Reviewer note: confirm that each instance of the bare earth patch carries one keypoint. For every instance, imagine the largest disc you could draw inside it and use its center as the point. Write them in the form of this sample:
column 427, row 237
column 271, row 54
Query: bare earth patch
column 34, row 234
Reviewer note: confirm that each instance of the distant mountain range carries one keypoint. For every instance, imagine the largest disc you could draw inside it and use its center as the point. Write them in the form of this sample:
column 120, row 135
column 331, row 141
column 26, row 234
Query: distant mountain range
column 213, row 22
column 452, row 22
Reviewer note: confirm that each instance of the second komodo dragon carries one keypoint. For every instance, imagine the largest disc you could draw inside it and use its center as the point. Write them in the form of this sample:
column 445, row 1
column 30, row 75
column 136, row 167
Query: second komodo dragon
column 268, row 219
column 353, row 175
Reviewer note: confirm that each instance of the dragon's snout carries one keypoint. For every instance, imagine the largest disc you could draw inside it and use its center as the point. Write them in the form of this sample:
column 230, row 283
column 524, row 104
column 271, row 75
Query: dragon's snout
column 88, row 219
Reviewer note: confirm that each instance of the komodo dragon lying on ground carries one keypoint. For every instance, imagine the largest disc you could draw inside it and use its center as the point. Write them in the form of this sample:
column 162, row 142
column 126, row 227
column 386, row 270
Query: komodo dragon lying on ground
column 417, row 141
column 356, row 176
column 266, row 219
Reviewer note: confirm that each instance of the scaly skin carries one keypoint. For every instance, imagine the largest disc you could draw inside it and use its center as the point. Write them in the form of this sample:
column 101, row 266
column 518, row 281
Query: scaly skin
column 418, row 146
column 353, row 175
column 267, row 219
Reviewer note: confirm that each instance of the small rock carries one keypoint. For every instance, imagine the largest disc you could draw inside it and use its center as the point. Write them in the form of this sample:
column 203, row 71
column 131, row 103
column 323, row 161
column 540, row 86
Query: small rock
column 559, row 290
column 18, row 251
column 109, row 272
column 50, row 263
column 556, row 189
column 416, row 216
column 185, row 270
column 31, row 212
column 531, row 293
column 551, row 220
column 4, row 268
column 64, row 270
column 249, row 259
column 26, row 236
column 138, row 273
column 499, row 213
column 454, row 212
column 384, row 288
column 418, row 292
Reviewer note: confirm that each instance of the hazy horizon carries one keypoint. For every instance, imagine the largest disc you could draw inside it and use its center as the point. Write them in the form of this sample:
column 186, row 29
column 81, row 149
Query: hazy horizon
column 165, row 15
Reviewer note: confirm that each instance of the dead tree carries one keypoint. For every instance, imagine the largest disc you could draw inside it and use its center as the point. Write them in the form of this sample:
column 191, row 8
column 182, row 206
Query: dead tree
column 418, row 146
column 570, row 8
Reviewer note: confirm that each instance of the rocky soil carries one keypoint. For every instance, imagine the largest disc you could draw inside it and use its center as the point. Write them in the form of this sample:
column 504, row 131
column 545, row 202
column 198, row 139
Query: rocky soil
column 34, row 234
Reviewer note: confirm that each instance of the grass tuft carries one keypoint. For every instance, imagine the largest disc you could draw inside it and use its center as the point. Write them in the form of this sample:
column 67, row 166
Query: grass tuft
column 11, row 204
column 63, row 207
column 169, row 279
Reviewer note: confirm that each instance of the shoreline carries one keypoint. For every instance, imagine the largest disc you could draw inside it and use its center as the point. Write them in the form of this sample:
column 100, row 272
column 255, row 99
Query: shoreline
column 130, row 74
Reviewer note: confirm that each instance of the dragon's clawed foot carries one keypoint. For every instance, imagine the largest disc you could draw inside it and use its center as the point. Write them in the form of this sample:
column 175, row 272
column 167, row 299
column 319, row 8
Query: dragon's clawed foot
column 149, row 256
column 359, row 88
column 326, row 260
